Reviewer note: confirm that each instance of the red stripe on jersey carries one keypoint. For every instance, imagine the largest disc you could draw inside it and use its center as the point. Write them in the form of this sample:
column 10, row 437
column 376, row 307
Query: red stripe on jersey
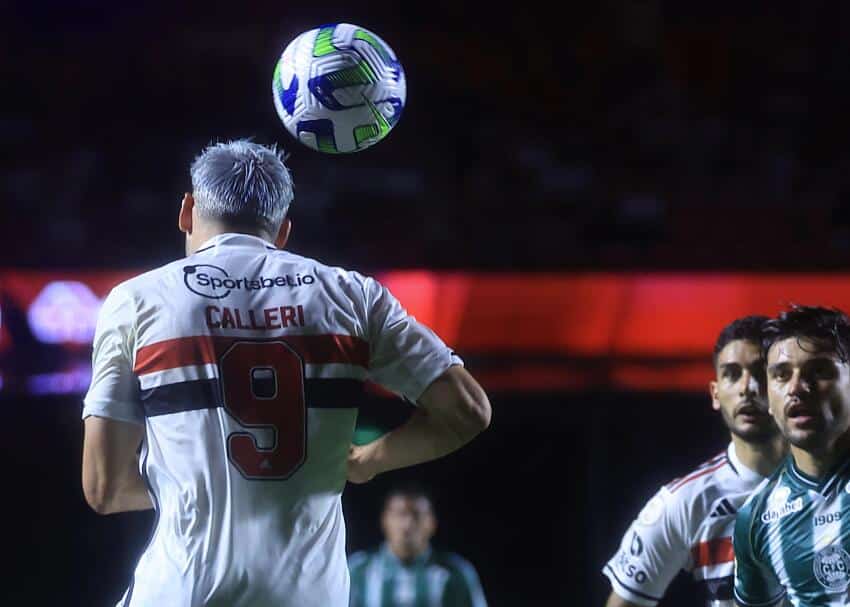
column 206, row 349
column 696, row 475
column 713, row 552
column 714, row 460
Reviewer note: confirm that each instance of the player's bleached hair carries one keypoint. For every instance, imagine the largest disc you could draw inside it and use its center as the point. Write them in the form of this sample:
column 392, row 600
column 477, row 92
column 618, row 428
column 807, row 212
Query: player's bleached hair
column 242, row 184
column 829, row 328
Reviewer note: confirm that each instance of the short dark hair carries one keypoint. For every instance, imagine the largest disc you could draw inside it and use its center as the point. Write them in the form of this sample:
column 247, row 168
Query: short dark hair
column 410, row 490
column 829, row 326
column 748, row 328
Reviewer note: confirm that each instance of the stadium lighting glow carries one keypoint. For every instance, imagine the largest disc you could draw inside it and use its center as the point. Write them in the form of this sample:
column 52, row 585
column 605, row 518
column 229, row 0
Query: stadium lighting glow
column 74, row 381
column 64, row 311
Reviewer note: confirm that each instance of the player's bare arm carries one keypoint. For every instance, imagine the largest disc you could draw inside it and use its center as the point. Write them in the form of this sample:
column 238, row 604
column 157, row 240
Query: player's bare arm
column 453, row 410
column 111, row 479
column 615, row 600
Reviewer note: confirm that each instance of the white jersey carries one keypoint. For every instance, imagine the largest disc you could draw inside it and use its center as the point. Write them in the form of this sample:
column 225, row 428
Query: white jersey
column 246, row 365
column 687, row 525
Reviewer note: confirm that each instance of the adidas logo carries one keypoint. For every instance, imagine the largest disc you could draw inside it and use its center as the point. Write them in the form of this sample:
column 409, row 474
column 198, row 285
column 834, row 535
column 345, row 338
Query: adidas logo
column 724, row 508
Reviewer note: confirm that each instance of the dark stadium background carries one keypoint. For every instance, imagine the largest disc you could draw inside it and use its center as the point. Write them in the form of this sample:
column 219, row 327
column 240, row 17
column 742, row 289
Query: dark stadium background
column 636, row 138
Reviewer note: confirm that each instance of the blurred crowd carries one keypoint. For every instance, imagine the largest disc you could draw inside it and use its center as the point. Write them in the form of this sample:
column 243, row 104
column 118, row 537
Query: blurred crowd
column 627, row 135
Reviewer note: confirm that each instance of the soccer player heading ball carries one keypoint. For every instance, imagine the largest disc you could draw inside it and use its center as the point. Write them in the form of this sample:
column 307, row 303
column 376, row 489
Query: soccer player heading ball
column 792, row 540
column 238, row 371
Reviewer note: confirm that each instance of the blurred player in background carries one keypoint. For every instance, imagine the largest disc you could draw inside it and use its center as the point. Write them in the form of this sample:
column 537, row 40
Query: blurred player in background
column 406, row 571
column 236, row 372
column 688, row 524
column 793, row 537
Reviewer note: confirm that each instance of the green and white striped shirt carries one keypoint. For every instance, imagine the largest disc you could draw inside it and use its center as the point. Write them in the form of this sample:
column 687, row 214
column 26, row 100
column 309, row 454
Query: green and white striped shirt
column 792, row 539
column 434, row 579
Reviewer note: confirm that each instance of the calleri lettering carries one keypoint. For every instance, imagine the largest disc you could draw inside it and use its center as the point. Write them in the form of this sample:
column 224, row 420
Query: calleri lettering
column 253, row 284
column 279, row 317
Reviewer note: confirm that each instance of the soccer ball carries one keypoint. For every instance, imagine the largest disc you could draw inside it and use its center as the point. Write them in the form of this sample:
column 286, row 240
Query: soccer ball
column 339, row 88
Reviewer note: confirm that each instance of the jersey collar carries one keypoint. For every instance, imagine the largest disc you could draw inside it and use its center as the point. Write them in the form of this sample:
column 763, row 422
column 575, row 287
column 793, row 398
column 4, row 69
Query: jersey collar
column 236, row 239
column 824, row 485
column 746, row 474
column 422, row 559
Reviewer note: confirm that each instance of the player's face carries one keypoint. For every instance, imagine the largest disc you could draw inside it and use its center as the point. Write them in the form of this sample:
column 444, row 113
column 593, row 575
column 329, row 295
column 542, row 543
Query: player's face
column 739, row 392
column 809, row 392
column 408, row 525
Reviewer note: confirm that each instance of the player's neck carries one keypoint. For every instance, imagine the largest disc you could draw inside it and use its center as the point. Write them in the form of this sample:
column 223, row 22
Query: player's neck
column 761, row 457
column 407, row 556
column 820, row 463
column 209, row 230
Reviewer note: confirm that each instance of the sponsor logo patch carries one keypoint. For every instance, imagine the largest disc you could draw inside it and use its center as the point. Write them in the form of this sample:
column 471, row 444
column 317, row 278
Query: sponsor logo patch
column 780, row 496
column 636, row 547
column 630, row 566
column 212, row 282
column 723, row 508
column 774, row 514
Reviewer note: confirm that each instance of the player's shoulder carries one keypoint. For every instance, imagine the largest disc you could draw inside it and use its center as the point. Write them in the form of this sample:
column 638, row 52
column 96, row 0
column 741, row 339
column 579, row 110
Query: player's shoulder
column 454, row 562
column 325, row 272
column 144, row 284
column 708, row 476
column 361, row 558
column 125, row 295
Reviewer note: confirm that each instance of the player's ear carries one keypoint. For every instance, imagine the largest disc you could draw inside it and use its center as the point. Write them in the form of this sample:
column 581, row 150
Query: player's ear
column 184, row 218
column 712, row 389
column 283, row 234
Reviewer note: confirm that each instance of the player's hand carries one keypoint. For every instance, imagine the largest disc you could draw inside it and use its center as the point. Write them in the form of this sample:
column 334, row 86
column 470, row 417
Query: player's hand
column 359, row 470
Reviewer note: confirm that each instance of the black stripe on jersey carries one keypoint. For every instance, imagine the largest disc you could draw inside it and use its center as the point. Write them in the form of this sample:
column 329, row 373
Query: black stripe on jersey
column 629, row 588
column 205, row 394
column 724, row 508
column 717, row 589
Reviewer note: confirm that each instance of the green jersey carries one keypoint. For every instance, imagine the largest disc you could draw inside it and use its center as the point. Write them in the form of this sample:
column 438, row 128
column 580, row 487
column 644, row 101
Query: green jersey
column 380, row 579
column 792, row 539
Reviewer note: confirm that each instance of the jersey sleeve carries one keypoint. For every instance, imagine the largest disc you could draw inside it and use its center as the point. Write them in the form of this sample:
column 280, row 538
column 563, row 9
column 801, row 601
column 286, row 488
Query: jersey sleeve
column 755, row 583
column 114, row 389
column 405, row 355
column 464, row 588
column 654, row 549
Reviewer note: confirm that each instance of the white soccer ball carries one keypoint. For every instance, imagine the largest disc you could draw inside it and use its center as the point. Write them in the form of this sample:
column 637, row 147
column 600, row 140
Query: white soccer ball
column 339, row 88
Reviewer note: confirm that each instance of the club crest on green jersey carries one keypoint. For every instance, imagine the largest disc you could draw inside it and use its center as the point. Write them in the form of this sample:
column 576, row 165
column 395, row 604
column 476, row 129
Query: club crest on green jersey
column 832, row 568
